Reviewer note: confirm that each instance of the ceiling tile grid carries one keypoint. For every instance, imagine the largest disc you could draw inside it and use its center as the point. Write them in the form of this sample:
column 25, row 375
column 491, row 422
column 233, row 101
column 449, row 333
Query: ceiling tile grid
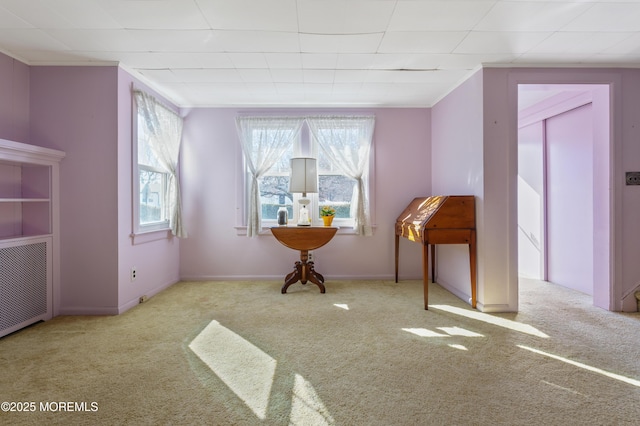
column 392, row 53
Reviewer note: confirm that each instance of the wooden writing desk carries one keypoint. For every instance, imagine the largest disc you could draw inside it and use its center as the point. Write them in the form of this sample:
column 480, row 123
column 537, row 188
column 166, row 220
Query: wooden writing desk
column 439, row 220
column 304, row 238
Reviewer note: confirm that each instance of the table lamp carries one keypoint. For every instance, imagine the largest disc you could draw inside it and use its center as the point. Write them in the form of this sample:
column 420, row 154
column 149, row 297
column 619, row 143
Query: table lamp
column 303, row 179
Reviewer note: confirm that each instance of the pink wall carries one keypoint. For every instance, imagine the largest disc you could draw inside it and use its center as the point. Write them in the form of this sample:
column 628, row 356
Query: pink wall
column 86, row 112
column 157, row 262
column 458, row 169
column 211, row 173
column 14, row 100
column 73, row 109
column 569, row 152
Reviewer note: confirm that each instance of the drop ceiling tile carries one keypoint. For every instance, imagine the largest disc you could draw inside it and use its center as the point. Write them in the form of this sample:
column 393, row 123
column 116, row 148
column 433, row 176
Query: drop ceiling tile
column 248, row 60
column 319, row 60
column 380, row 76
column 129, row 60
column 205, row 75
column 16, row 40
column 391, row 61
column 579, row 42
column 355, row 61
column 262, row 89
column 214, row 90
column 258, row 41
column 177, row 40
column 353, row 43
column 350, row 76
column 58, row 57
column 289, row 88
column 255, row 75
column 318, row 76
column 438, row 15
column 284, row 60
column 9, row 20
column 421, row 41
column 194, row 59
column 159, row 76
column 37, row 13
column 499, row 42
column 630, row 45
column 264, row 15
column 608, row 17
column 464, row 61
column 287, row 75
column 166, row 14
column 547, row 59
column 340, row 17
column 530, row 16
column 346, row 88
column 98, row 40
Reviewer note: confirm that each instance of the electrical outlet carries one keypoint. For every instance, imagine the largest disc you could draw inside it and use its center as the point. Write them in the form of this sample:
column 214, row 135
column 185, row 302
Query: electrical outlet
column 633, row 178
column 310, row 257
column 134, row 273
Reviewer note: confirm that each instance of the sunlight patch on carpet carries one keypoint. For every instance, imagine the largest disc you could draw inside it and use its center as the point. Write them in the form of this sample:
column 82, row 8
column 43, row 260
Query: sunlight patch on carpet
column 461, row 347
column 243, row 367
column 423, row 332
column 457, row 331
column 342, row 306
column 490, row 319
column 306, row 406
column 624, row 379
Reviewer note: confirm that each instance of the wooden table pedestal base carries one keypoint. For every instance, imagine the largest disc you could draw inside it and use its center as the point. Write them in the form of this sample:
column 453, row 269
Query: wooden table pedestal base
column 303, row 271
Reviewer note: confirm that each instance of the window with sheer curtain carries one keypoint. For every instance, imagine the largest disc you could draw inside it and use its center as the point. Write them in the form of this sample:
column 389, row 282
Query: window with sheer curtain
column 342, row 145
column 158, row 138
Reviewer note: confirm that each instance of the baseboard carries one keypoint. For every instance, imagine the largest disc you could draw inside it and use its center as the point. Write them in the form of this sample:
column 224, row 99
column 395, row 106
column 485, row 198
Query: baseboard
column 86, row 310
column 149, row 293
column 327, row 277
column 110, row 310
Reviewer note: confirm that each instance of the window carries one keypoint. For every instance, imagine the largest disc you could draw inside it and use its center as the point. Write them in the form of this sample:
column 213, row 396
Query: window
column 158, row 133
column 152, row 184
column 342, row 150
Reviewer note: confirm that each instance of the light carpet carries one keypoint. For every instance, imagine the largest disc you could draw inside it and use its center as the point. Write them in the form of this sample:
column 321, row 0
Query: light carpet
column 364, row 353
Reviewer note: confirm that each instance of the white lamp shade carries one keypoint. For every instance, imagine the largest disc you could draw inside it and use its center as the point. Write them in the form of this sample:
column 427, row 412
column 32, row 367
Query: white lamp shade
column 304, row 175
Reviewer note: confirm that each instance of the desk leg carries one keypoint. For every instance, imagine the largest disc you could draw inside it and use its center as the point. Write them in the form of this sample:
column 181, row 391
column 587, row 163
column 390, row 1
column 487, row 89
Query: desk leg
column 425, row 273
column 473, row 267
column 304, row 271
column 397, row 247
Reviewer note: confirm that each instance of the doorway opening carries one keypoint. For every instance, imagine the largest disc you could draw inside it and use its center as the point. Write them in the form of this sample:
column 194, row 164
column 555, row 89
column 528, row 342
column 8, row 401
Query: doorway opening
column 563, row 186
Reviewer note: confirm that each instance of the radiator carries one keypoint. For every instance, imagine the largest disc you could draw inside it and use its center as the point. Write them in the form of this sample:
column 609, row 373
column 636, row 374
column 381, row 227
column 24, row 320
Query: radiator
column 25, row 284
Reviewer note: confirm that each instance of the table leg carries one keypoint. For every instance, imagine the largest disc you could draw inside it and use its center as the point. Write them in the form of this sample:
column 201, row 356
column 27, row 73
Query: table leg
column 304, row 271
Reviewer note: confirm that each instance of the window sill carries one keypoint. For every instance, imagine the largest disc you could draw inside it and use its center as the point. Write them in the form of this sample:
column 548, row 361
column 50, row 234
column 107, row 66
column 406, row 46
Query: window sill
column 149, row 236
column 342, row 230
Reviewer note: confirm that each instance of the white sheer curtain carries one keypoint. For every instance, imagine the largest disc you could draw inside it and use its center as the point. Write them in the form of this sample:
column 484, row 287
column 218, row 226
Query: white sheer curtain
column 264, row 140
column 165, row 128
column 346, row 141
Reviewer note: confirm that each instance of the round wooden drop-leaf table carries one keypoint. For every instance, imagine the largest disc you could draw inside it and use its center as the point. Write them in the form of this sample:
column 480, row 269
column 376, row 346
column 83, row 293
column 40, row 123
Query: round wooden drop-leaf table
column 304, row 238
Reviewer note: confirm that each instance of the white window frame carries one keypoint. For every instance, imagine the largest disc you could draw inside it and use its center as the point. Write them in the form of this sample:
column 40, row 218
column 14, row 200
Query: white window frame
column 307, row 147
column 163, row 224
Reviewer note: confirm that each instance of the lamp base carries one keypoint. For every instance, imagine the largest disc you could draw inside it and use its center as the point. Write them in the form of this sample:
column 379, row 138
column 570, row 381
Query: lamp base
column 303, row 217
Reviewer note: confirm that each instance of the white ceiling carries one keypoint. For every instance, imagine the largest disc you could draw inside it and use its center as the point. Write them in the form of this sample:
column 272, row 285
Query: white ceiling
column 317, row 52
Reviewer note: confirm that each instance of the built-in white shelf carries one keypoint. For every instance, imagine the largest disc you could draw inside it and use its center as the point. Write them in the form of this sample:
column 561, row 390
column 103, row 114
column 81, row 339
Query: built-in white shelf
column 29, row 240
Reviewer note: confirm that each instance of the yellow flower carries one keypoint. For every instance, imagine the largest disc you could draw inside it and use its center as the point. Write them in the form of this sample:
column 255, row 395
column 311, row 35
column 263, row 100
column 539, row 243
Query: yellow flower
column 327, row 211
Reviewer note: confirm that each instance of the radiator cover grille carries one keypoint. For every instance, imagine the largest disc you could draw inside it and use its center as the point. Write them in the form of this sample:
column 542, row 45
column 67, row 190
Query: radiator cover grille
column 23, row 284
